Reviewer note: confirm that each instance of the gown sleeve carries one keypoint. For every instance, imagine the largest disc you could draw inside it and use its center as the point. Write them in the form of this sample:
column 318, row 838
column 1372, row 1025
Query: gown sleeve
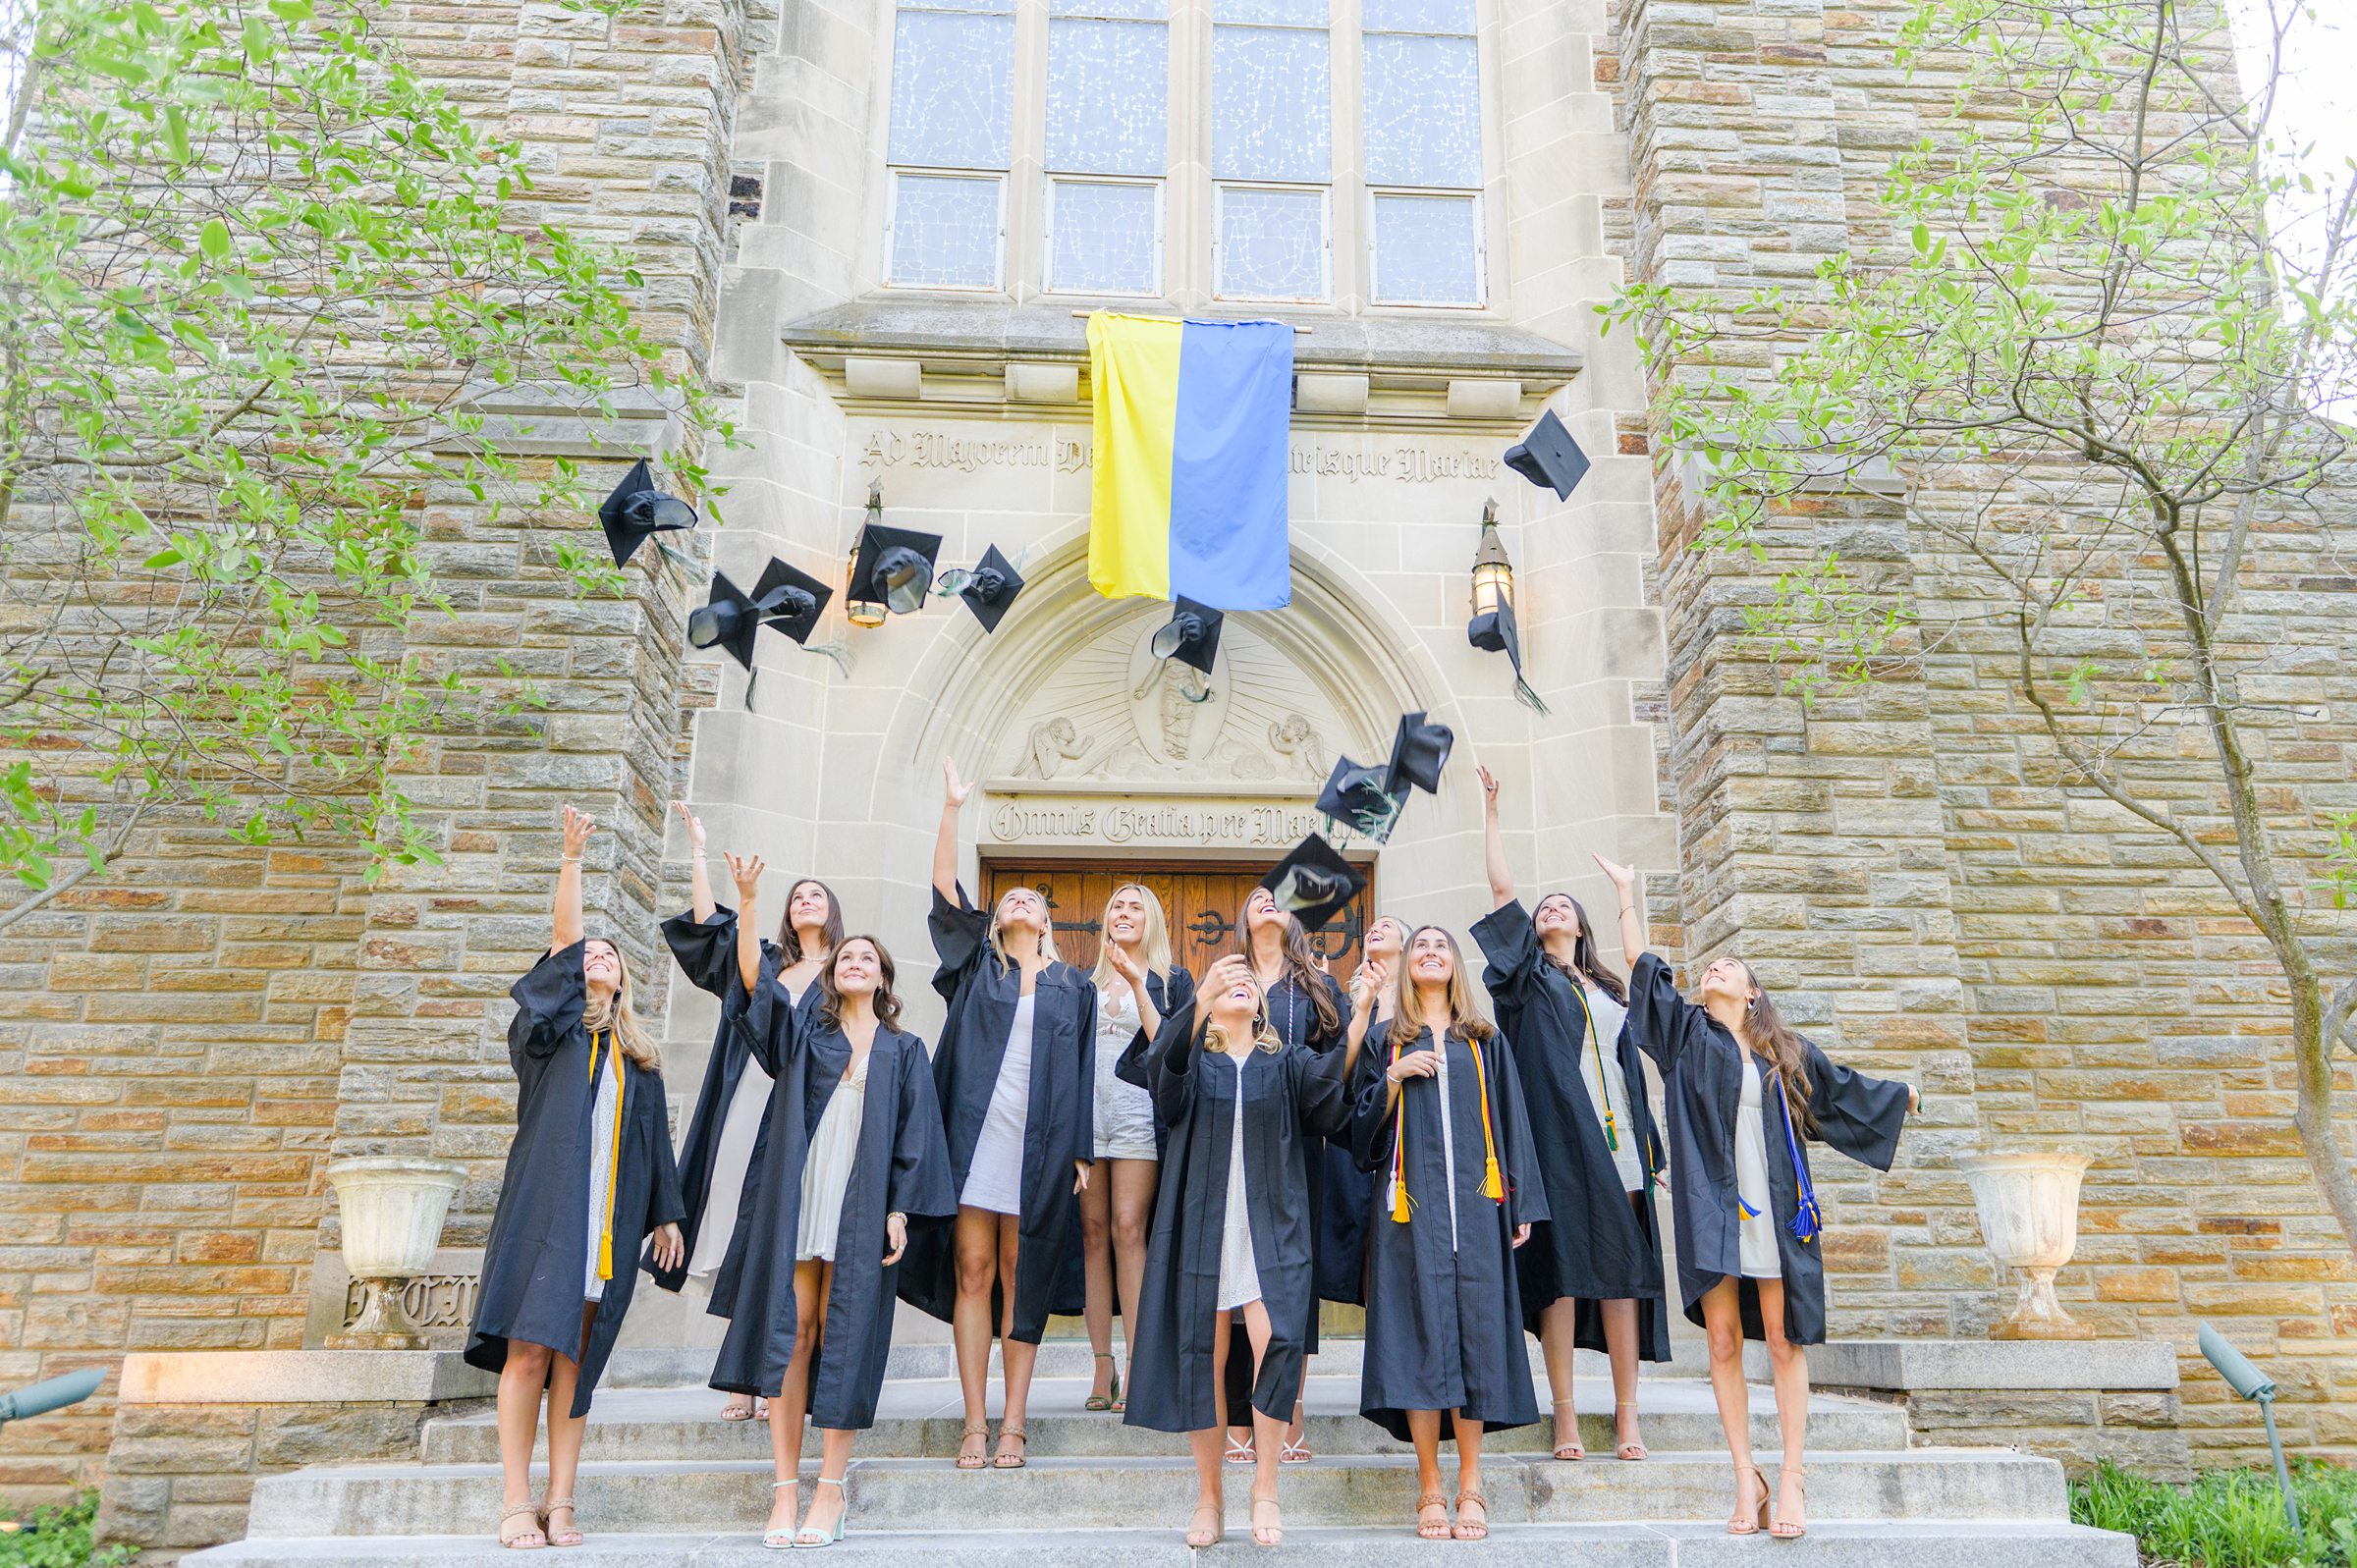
column 1517, row 1151
column 704, row 949
column 961, row 937
column 1321, row 1038
column 1178, row 991
column 1172, row 995
column 771, row 1025
column 1859, row 1116
column 549, row 1001
column 1658, row 1018
column 1509, row 947
column 1172, row 1059
column 1370, row 1119
column 665, row 1205
column 1084, row 1131
column 1321, row 1094
column 919, row 1186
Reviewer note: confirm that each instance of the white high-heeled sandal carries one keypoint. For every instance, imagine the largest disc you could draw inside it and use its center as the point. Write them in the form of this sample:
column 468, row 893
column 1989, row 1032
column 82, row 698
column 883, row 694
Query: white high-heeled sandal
column 780, row 1540
column 808, row 1538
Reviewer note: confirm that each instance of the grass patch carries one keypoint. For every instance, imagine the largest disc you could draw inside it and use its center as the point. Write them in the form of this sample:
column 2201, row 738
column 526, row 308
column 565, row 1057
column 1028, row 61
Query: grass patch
column 59, row 1536
column 2229, row 1518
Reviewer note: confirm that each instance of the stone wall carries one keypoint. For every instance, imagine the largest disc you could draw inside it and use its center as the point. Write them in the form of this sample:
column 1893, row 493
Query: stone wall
column 1908, row 857
column 191, row 1037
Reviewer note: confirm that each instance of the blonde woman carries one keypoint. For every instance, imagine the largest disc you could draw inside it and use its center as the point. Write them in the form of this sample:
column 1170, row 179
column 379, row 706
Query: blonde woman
column 1119, row 1201
column 1015, row 1075
column 1246, row 1114
column 1745, row 1094
column 590, row 1179
column 1439, row 1120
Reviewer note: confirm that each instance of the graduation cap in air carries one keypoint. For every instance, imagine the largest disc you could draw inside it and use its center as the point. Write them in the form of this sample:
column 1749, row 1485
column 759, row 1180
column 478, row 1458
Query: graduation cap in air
column 1362, row 796
column 1193, row 636
column 790, row 600
column 1493, row 630
column 637, row 509
column 1313, row 882
column 988, row 590
column 1549, row 458
column 893, row 568
column 1418, row 754
column 728, row 620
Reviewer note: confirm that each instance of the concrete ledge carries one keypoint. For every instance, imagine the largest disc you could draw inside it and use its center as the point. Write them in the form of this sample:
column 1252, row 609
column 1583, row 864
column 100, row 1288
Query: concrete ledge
column 301, row 1378
column 2011, row 1366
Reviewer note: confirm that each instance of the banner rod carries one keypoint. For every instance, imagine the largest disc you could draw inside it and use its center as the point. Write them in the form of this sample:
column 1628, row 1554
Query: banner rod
column 1084, row 316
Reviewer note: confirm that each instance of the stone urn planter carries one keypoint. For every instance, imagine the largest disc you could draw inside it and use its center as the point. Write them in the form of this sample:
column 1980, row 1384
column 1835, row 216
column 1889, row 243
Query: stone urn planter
column 393, row 1208
column 2029, row 1205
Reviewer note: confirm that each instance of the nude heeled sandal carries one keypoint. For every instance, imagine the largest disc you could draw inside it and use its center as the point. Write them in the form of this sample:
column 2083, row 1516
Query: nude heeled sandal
column 1778, row 1527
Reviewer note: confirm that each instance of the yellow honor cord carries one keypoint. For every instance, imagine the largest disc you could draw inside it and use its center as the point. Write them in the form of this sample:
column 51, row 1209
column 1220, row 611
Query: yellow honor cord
column 1398, row 1147
column 605, row 1239
column 1612, row 1133
column 1493, row 1185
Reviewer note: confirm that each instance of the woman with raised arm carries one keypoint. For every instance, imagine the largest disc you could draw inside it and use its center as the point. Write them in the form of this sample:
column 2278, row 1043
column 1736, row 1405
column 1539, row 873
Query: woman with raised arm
column 1348, row 1203
column 589, row 1178
column 1591, row 1275
column 1119, row 1203
column 1745, row 1095
column 813, row 1293
column 1306, row 1008
column 1017, row 1077
column 1441, row 1124
column 1246, row 1114
column 730, row 1123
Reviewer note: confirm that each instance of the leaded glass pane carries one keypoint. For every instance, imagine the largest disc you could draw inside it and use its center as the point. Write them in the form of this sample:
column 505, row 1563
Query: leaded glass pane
column 1272, row 244
column 953, row 89
column 1271, row 115
column 1271, row 13
column 1104, row 240
column 1108, row 96
column 1420, row 16
column 945, row 232
column 1425, row 251
column 1422, row 111
column 1133, row 10
column 990, row 6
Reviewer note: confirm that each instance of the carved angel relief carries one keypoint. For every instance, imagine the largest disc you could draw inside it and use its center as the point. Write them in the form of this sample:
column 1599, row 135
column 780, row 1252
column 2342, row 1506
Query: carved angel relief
column 1118, row 713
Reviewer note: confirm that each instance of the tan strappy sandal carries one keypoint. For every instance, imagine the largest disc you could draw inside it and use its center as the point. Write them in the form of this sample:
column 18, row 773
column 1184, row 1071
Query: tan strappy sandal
column 1432, row 1530
column 973, row 1429
column 1744, row 1523
column 1567, row 1448
column 565, row 1537
column 531, row 1540
column 1632, row 1450
column 1003, row 1460
column 1271, row 1533
column 1778, row 1527
column 1471, row 1528
column 1199, row 1537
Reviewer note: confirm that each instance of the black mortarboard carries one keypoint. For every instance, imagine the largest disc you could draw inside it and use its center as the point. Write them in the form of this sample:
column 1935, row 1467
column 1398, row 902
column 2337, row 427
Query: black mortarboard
column 1418, row 754
column 893, row 568
column 1549, row 458
column 790, row 600
column 636, row 509
column 988, row 590
column 1313, row 882
column 1361, row 797
column 1192, row 637
column 728, row 620
column 1493, row 631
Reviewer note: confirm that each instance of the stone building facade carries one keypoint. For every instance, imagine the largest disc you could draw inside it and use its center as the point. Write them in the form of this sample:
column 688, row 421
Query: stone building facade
column 190, row 1040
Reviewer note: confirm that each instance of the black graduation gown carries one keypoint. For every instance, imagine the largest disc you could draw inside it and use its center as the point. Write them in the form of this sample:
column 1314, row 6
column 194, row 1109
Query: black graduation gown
column 1059, row 1121
column 1702, row 1078
column 1293, row 1098
column 706, row 952
column 901, row 1164
column 1133, row 1067
column 1445, row 1326
column 537, row 1252
column 1598, row 1245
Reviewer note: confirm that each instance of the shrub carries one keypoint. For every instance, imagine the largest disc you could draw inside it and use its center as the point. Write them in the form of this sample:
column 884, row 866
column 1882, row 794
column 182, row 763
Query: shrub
column 59, row 1536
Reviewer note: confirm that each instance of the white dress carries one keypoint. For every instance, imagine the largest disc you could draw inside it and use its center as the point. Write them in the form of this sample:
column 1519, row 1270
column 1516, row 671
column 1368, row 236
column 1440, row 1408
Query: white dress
column 1124, row 1112
column 604, row 1111
column 995, row 1179
column 1758, row 1214
column 731, row 1162
column 827, row 1172
column 1610, row 1089
column 1239, row 1275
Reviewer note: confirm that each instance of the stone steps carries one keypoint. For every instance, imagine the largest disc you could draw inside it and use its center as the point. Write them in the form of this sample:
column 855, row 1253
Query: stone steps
column 675, row 1496
column 923, row 1418
column 1829, row 1544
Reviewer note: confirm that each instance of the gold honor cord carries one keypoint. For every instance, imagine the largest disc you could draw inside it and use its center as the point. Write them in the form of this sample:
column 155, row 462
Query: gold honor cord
column 1603, row 1090
column 605, row 1239
column 1493, row 1184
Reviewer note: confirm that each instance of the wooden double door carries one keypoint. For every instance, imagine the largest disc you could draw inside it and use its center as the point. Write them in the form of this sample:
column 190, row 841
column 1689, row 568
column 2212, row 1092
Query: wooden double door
column 1203, row 903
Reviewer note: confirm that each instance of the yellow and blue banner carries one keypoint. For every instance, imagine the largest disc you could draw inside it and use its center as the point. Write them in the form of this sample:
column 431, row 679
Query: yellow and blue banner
column 1187, row 496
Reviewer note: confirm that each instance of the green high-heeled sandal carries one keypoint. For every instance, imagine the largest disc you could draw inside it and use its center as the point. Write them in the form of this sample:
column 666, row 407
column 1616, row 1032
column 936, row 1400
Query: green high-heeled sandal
column 1104, row 1402
column 805, row 1537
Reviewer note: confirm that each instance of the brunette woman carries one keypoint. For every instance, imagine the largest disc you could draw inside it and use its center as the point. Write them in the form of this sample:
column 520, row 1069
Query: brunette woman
column 1306, row 1008
column 1246, row 1114
column 1745, row 1094
column 814, row 1296
column 1591, row 1275
column 589, row 1178
column 1439, row 1119
column 1118, row 1201
column 1016, row 1078
column 729, row 1125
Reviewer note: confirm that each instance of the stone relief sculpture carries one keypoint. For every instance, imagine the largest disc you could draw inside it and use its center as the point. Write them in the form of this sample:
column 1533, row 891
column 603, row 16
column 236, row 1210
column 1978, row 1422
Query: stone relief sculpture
column 1047, row 746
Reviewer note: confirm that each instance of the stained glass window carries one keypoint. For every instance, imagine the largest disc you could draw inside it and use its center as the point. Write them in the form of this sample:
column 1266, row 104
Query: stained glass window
column 1420, row 113
column 1427, row 249
column 1271, row 244
column 1104, row 237
column 1271, row 123
column 953, row 107
column 945, row 230
column 1109, row 82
